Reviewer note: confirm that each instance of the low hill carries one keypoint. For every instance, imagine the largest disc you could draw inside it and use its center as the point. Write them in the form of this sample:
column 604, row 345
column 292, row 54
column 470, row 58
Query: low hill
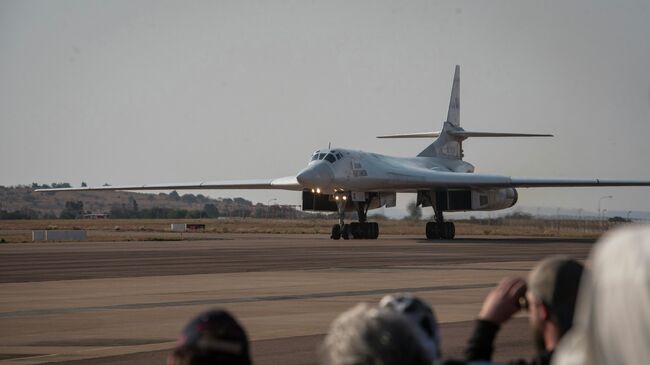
column 21, row 202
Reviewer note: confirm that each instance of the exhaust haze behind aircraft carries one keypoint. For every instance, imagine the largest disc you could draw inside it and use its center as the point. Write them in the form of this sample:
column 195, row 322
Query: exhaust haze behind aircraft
column 343, row 180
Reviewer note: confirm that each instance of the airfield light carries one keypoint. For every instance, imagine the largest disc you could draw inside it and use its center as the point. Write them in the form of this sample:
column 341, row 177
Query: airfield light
column 601, row 214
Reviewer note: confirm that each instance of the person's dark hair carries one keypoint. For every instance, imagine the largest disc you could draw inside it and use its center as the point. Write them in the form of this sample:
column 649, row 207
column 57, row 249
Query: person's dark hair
column 555, row 281
column 422, row 316
column 213, row 337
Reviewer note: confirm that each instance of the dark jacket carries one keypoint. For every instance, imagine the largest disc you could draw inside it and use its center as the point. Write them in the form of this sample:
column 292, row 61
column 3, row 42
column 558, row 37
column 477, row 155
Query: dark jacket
column 481, row 346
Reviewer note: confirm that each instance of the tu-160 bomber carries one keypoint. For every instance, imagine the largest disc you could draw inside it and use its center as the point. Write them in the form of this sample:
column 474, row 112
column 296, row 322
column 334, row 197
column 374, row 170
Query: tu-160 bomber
column 344, row 180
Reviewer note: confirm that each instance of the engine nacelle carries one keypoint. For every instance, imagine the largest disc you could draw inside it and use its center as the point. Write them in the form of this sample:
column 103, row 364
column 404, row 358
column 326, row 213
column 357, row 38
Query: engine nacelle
column 494, row 199
column 459, row 200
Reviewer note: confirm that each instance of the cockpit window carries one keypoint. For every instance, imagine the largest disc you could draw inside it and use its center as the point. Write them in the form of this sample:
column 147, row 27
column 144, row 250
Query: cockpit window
column 330, row 158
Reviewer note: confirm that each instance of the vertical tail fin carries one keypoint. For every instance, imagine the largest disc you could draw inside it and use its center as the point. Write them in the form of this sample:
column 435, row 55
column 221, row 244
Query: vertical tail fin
column 453, row 115
column 446, row 145
column 449, row 143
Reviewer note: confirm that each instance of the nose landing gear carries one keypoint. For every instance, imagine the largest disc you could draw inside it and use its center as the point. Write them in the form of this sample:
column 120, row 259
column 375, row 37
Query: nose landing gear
column 355, row 230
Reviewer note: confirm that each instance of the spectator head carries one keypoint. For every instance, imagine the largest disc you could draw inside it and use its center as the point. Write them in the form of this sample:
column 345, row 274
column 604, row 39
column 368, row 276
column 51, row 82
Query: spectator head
column 421, row 315
column 612, row 320
column 366, row 335
column 213, row 337
column 552, row 291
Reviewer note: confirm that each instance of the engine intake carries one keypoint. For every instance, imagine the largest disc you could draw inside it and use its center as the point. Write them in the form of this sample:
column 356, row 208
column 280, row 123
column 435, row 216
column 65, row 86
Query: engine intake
column 327, row 202
column 318, row 202
column 465, row 200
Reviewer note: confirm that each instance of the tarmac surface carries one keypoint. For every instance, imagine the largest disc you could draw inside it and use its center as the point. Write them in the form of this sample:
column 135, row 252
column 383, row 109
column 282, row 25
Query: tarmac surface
column 125, row 302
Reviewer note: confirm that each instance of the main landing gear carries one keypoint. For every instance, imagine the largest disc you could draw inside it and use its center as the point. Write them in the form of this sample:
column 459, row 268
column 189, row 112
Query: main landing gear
column 440, row 229
column 356, row 230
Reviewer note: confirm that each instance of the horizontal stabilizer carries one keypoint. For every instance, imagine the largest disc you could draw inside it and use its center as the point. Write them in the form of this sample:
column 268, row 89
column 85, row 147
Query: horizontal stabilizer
column 463, row 134
column 466, row 134
column 412, row 135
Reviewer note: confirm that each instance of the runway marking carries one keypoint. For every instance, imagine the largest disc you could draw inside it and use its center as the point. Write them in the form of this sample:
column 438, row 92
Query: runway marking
column 271, row 298
column 97, row 342
column 446, row 268
column 13, row 356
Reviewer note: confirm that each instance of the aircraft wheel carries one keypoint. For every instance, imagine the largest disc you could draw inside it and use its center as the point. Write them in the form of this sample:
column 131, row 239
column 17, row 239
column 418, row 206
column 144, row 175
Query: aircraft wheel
column 336, row 232
column 432, row 231
column 370, row 230
column 444, row 231
column 345, row 232
column 358, row 230
column 450, row 230
column 366, row 229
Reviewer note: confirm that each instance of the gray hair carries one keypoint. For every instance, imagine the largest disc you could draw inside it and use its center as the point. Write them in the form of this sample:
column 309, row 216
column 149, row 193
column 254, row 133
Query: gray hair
column 366, row 335
column 612, row 320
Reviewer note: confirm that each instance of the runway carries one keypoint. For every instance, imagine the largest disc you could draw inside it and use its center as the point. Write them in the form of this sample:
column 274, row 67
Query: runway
column 125, row 302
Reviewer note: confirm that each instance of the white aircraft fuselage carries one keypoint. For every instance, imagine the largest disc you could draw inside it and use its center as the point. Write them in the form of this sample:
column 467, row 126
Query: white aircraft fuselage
column 353, row 170
column 339, row 172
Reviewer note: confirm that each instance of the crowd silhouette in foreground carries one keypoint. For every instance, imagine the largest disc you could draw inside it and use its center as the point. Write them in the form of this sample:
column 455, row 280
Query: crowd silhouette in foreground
column 598, row 314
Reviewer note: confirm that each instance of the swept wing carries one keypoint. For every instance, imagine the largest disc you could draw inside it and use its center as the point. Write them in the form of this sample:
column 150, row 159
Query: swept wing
column 283, row 183
column 427, row 179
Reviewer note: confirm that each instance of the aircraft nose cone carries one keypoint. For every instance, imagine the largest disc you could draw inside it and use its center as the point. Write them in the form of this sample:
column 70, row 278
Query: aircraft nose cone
column 318, row 175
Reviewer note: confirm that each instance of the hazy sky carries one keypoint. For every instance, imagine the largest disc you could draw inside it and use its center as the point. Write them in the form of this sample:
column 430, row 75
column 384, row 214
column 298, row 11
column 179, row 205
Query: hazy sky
column 152, row 91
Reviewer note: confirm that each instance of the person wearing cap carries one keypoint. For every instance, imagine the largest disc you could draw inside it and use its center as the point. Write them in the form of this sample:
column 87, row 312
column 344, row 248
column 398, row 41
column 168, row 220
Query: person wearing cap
column 212, row 337
column 421, row 315
column 549, row 297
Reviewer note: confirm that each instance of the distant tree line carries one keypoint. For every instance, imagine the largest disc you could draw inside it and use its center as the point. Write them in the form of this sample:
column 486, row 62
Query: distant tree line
column 414, row 211
column 29, row 205
column 52, row 186
column 74, row 210
column 24, row 214
column 132, row 211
